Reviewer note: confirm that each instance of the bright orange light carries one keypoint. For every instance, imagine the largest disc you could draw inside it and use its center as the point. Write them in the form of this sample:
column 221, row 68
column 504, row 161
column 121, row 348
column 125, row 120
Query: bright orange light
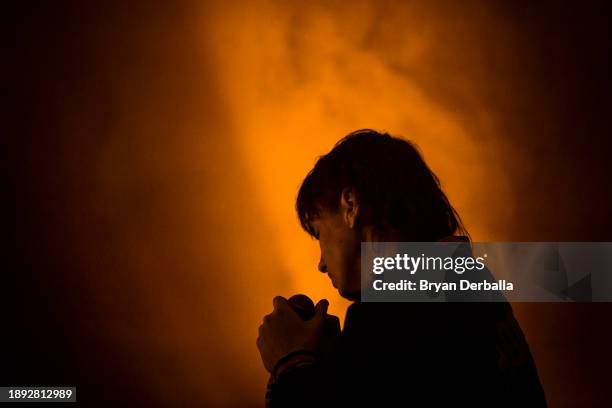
column 295, row 79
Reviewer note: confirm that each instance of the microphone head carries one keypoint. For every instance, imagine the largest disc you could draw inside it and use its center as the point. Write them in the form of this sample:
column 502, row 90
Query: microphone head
column 303, row 306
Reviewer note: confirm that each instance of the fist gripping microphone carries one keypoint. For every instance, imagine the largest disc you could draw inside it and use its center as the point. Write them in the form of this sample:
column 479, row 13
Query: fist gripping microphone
column 303, row 306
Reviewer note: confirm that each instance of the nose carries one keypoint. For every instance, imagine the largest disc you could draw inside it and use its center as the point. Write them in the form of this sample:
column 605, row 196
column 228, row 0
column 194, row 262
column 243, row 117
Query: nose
column 322, row 265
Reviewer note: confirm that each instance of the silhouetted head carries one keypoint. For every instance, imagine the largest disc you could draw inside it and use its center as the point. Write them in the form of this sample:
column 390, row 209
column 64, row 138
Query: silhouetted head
column 371, row 187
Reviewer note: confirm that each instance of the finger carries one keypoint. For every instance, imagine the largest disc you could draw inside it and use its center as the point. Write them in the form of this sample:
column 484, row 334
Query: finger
column 321, row 309
column 279, row 302
column 332, row 322
column 331, row 326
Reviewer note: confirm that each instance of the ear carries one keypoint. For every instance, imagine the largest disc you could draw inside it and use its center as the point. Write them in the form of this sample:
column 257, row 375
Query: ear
column 349, row 206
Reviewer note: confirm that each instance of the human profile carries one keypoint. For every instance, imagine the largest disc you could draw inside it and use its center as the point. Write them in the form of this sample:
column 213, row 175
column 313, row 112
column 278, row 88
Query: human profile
column 388, row 354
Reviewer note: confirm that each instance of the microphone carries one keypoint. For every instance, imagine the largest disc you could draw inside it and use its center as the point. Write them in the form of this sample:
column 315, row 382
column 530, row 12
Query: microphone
column 302, row 305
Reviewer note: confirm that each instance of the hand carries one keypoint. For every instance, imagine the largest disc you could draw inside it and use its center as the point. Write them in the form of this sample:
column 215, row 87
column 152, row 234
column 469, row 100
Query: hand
column 283, row 331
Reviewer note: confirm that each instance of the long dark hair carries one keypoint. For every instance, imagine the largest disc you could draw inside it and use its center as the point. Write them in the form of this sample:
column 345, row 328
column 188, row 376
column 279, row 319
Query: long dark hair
column 393, row 184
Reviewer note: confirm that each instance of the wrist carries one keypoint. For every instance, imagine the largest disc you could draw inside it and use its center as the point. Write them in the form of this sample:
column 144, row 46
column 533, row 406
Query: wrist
column 293, row 360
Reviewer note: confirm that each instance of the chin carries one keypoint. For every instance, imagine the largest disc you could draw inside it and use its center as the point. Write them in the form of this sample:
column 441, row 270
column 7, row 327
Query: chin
column 350, row 295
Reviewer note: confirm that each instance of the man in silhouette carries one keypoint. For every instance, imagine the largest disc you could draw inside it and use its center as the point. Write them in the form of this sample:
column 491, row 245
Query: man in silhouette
column 376, row 187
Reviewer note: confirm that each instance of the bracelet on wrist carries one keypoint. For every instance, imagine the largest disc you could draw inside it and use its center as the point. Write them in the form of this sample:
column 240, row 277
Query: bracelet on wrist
column 294, row 358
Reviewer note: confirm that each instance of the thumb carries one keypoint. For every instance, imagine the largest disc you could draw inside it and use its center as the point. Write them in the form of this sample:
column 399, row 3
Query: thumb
column 321, row 309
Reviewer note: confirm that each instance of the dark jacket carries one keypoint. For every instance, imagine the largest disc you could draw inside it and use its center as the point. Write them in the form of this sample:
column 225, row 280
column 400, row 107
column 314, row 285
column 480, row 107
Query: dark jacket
column 453, row 353
column 419, row 354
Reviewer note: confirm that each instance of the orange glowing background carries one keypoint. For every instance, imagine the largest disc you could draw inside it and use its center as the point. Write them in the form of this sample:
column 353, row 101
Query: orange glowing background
column 160, row 182
column 296, row 78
